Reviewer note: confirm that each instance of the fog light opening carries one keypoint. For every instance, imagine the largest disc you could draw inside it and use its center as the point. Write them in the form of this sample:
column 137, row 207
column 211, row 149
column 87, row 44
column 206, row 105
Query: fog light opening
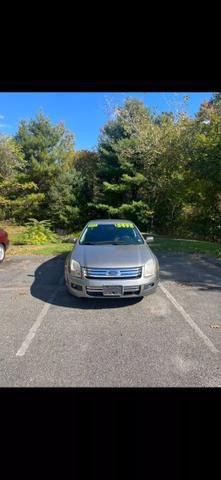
column 148, row 285
column 76, row 287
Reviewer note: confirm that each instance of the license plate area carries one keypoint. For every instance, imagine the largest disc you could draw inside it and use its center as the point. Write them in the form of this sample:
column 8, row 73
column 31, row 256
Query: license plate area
column 112, row 291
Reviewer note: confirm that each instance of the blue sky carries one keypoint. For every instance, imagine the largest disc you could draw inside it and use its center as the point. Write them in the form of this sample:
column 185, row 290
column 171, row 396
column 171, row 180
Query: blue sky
column 83, row 113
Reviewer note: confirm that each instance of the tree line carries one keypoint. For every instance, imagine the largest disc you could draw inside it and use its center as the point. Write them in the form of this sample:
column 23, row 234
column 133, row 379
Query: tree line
column 162, row 171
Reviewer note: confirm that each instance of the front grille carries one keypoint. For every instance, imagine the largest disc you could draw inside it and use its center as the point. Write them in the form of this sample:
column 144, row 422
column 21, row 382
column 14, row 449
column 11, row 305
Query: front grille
column 132, row 289
column 98, row 291
column 132, row 272
column 94, row 289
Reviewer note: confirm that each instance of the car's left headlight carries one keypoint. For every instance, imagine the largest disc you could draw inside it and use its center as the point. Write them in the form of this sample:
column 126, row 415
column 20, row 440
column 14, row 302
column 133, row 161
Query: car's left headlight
column 149, row 268
column 75, row 268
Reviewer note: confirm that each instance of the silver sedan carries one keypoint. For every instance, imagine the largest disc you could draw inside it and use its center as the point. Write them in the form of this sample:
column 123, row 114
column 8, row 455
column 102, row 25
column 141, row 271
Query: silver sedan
column 111, row 259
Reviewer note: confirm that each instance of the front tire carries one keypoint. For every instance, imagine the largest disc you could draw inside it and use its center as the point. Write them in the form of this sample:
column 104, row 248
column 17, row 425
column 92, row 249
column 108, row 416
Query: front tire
column 2, row 252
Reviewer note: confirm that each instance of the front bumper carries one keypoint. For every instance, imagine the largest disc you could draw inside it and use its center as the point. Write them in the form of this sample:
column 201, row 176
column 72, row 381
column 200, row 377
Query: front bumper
column 93, row 288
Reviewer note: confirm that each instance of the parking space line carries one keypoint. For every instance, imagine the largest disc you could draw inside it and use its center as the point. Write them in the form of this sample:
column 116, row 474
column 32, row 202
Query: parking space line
column 189, row 320
column 24, row 347
column 14, row 288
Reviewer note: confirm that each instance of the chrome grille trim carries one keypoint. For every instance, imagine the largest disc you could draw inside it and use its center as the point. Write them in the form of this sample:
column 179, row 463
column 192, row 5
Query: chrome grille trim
column 133, row 289
column 132, row 272
column 94, row 289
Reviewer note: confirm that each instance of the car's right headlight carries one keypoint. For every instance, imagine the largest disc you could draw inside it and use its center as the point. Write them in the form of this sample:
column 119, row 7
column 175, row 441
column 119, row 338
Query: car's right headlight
column 75, row 268
column 149, row 268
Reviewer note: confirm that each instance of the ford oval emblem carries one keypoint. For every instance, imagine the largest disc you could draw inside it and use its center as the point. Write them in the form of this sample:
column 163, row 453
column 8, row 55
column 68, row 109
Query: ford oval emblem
column 113, row 273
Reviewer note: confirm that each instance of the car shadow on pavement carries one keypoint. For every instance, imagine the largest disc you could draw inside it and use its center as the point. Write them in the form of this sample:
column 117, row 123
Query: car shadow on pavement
column 46, row 280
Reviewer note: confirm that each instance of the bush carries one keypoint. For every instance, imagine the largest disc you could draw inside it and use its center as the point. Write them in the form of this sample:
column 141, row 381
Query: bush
column 38, row 232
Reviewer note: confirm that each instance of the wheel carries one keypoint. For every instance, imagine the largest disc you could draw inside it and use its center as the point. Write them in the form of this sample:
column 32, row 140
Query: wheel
column 2, row 252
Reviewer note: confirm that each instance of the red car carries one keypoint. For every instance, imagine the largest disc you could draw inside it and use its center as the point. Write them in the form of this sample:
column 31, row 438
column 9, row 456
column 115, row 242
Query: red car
column 4, row 243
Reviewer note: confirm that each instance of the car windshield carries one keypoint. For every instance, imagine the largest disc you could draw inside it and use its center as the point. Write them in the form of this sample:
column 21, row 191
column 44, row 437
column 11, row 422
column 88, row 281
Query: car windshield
column 111, row 233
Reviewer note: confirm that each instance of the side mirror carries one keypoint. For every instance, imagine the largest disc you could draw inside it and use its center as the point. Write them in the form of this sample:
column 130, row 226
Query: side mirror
column 72, row 239
column 149, row 239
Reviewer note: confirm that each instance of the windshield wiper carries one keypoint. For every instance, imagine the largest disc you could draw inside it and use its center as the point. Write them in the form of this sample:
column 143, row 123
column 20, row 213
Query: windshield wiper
column 88, row 243
column 108, row 243
column 122, row 243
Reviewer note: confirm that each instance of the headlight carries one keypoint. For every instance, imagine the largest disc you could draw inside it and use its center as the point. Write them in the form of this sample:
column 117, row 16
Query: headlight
column 75, row 268
column 149, row 268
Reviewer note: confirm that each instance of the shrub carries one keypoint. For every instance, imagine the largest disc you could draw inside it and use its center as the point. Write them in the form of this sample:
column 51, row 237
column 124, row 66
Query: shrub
column 38, row 232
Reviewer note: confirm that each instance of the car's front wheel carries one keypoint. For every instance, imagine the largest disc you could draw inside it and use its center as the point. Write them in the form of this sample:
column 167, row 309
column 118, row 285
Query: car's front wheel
column 2, row 252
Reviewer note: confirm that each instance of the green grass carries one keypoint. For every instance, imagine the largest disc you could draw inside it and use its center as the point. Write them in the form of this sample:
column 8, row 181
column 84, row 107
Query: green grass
column 18, row 248
column 163, row 244
column 160, row 244
column 14, row 232
column 48, row 249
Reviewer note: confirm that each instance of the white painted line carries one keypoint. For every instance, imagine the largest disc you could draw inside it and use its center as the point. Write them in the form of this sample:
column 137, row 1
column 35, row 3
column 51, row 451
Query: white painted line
column 24, row 347
column 14, row 288
column 189, row 320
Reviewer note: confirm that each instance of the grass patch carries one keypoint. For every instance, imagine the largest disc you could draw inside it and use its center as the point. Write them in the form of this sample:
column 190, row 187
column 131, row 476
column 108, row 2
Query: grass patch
column 163, row 244
column 14, row 232
column 160, row 244
column 47, row 249
column 17, row 247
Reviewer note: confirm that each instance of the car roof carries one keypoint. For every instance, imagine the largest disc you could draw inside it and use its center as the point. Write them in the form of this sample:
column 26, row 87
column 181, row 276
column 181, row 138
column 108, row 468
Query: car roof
column 109, row 220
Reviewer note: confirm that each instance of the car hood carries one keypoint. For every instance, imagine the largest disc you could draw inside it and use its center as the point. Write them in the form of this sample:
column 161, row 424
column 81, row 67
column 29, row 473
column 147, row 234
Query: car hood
column 111, row 255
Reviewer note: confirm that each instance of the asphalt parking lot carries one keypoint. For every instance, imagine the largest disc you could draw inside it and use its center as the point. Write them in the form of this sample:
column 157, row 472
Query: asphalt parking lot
column 169, row 339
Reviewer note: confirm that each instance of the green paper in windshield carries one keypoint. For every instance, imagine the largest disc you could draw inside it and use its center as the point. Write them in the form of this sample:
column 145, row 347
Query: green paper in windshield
column 124, row 225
